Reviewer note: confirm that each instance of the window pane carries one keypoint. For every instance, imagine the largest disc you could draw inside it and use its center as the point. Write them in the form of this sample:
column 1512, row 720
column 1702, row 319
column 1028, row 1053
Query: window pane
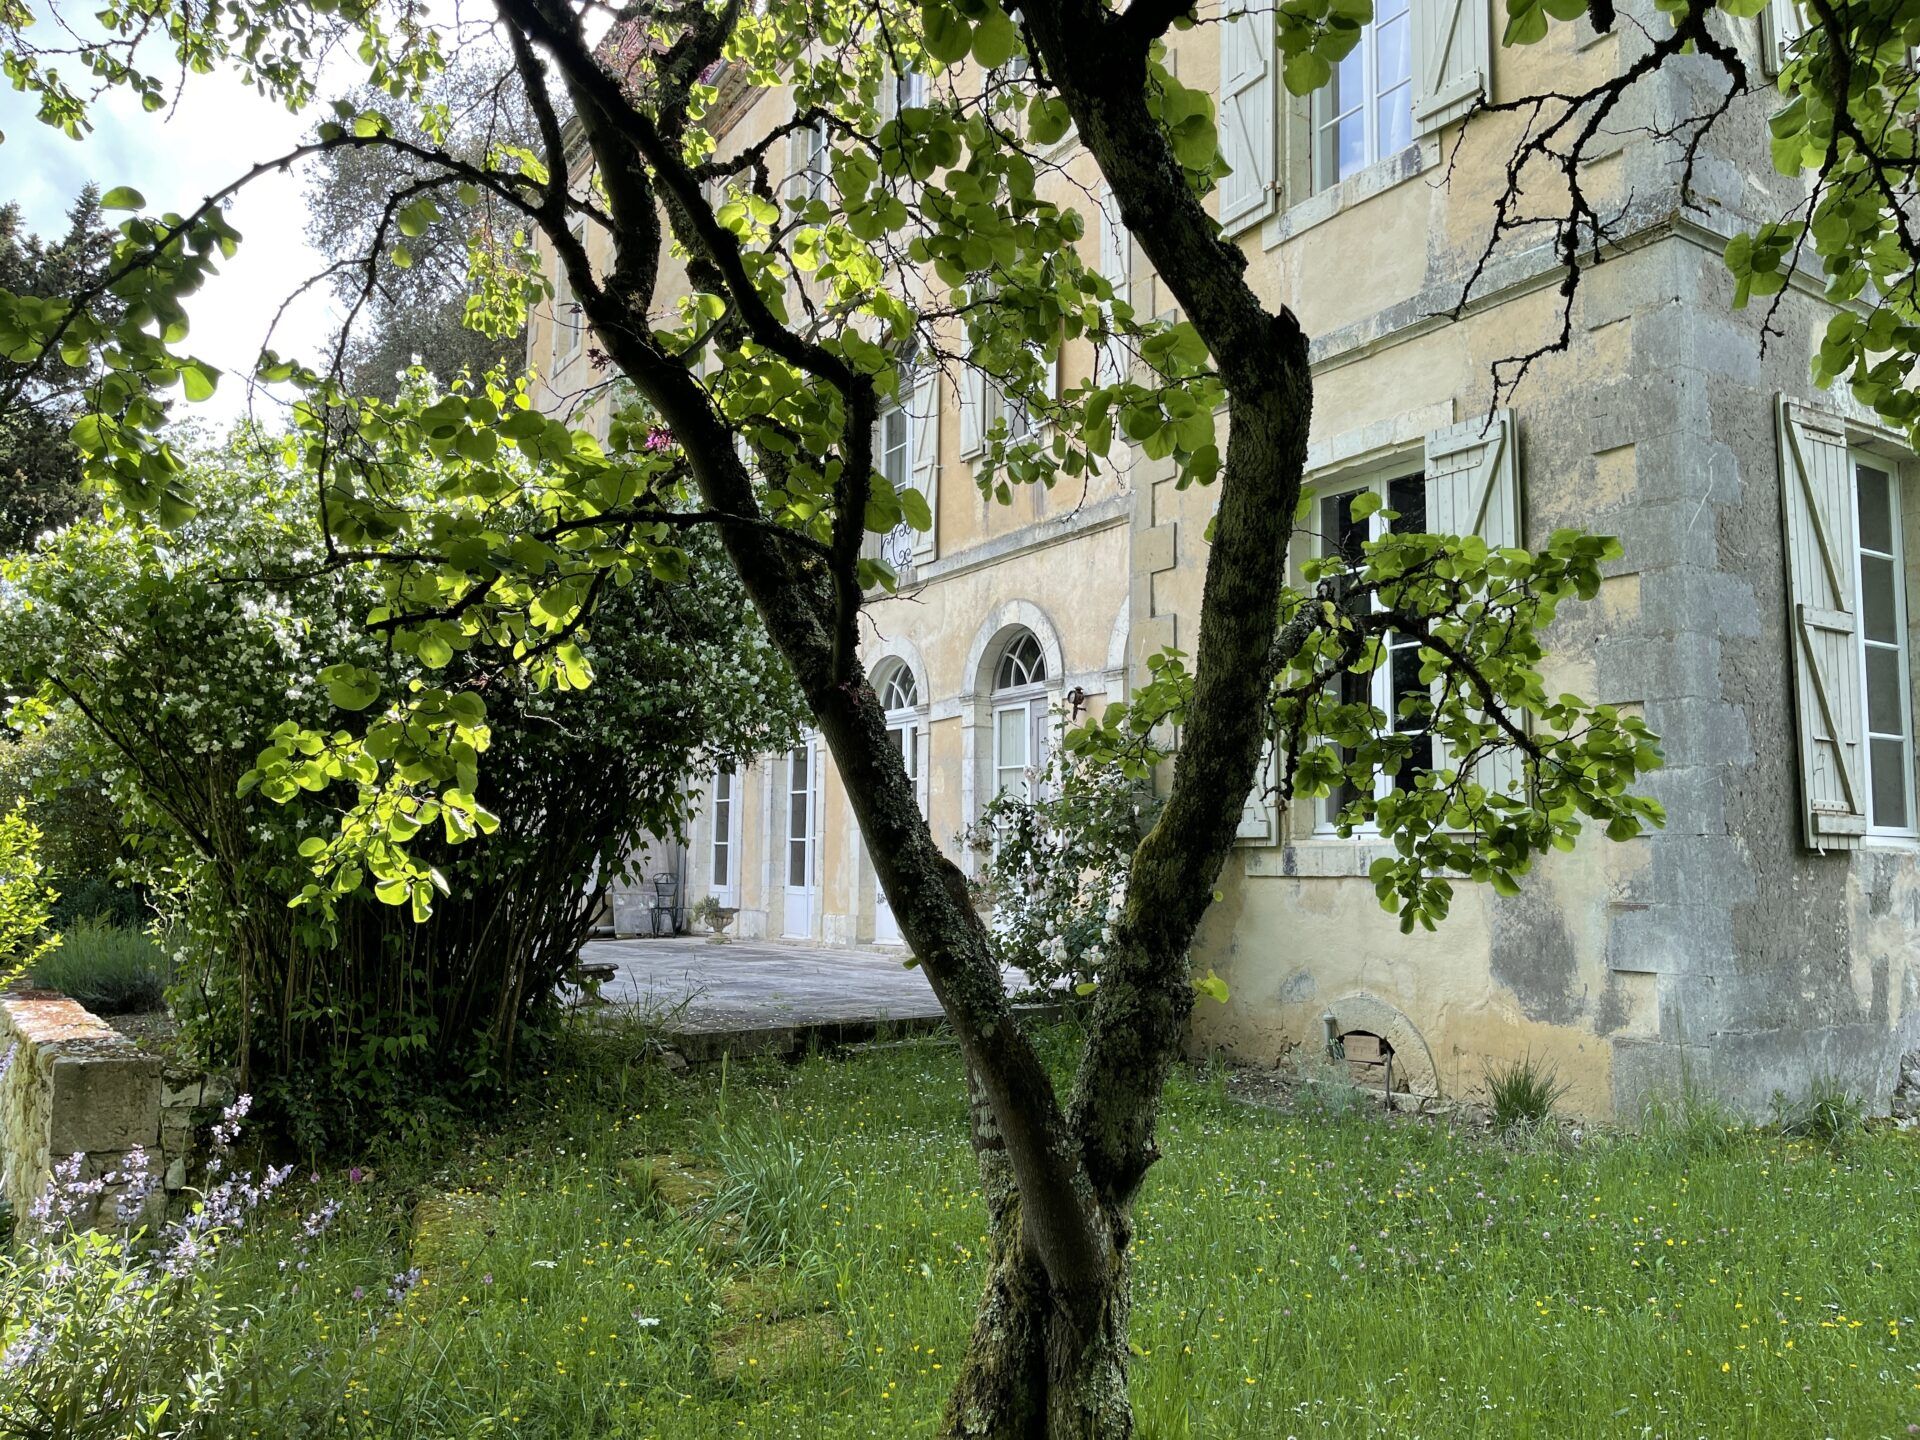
column 720, row 864
column 1879, row 607
column 1393, row 122
column 1406, row 682
column 1883, row 691
column 797, row 864
column 1417, row 763
column 1391, row 52
column 1407, row 496
column 1010, row 740
column 1891, row 784
column 1350, row 145
column 1876, row 510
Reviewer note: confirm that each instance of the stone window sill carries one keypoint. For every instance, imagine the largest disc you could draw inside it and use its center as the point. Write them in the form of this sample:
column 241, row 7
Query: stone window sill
column 1383, row 175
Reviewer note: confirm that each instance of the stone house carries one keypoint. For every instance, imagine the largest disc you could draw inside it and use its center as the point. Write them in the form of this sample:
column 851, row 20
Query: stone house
column 1759, row 620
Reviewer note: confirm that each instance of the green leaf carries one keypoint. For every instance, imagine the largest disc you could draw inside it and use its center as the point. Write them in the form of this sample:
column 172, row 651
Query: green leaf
column 1212, row 986
column 197, row 379
column 123, row 197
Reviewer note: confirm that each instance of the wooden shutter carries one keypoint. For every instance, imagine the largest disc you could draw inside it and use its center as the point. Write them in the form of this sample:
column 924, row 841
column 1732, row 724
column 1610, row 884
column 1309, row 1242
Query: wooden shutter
column 1450, row 42
column 1247, row 131
column 1116, row 267
column 1781, row 24
column 1816, row 509
column 923, row 414
column 1473, row 488
column 1259, row 821
column 973, row 411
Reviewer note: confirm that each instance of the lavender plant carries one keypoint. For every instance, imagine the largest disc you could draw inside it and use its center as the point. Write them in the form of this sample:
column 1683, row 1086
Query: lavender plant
column 123, row 1331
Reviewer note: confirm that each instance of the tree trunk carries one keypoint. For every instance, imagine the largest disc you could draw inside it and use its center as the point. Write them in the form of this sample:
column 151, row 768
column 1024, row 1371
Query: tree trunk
column 1034, row 1369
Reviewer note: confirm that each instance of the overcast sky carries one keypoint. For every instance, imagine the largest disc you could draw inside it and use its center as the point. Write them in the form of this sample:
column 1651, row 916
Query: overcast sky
column 175, row 159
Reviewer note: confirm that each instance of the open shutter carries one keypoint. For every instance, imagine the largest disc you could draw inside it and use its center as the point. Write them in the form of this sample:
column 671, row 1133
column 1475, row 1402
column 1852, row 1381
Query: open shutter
column 973, row 411
column 1473, row 488
column 1116, row 267
column 1450, row 42
column 1248, row 137
column 1259, row 821
column 1816, row 508
column 924, row 415
column 1781, row 25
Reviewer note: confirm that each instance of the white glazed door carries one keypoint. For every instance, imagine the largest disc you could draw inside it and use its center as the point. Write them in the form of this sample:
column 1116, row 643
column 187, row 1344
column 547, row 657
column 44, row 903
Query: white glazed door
column 802, row 847
column 886, row 930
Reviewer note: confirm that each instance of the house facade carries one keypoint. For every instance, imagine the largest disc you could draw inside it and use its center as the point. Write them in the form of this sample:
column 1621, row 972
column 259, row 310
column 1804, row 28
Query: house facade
column 1760, row 619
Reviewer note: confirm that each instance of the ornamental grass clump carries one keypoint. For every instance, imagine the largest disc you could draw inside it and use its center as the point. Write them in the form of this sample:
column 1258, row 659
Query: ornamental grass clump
column 1523, row 1094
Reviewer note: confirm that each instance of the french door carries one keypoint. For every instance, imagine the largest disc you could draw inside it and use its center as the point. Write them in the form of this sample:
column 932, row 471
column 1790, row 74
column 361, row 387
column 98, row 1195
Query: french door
column 906, row 738
column 803, row 841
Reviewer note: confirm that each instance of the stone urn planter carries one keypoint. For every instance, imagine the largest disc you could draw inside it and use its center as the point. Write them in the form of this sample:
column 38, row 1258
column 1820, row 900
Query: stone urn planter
column 716, row 918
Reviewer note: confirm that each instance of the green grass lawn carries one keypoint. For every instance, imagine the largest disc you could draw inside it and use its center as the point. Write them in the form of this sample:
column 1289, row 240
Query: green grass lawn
column 1298, row 1273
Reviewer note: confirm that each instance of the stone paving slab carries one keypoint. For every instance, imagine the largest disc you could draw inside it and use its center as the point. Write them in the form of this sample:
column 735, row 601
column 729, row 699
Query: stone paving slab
column 750, row 995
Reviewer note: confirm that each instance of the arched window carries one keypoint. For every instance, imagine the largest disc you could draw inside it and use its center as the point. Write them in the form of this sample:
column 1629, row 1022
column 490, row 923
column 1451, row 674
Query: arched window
column 898, row 689
column 1021, row 663
column 1019, row 715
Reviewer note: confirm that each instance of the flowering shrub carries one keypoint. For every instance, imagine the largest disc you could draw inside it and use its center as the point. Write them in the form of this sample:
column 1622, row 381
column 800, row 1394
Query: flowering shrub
column 1054, row 866
column 110, row 1333
column 188, row 650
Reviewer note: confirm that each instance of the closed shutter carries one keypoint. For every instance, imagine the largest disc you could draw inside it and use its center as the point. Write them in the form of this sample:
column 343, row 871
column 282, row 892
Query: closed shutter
column 1781, row 24
column 973, row 411
column 1816, row 509
column 1247, row 131
column 1259, row 820
column 924, row 415
column 1116, row 267
column 1473, row 488
column 1450, row 42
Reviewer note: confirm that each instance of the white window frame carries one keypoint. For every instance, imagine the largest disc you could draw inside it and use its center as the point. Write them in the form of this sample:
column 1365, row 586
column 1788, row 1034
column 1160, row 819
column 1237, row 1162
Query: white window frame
column 895, row 462
column 1030, row 701
column 723, row 815
column 1380, row 683
column 1856, row 461
column 813, row 169
column 1326, row 158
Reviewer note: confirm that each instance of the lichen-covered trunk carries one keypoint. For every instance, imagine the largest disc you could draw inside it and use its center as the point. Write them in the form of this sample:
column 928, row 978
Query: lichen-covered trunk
column 1034, row 1368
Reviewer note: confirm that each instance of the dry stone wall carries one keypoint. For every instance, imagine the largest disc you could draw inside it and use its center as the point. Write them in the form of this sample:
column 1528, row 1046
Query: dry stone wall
column 72, row 1085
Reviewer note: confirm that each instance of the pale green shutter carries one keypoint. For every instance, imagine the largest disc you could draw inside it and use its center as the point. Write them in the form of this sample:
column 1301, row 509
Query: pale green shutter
column 1816, row 509
column 1473, row 488
column 1116, row 267
column 1450, row 45
column 973, row 411
column 1248, row 137
column 1781, row 25
column 924, row 415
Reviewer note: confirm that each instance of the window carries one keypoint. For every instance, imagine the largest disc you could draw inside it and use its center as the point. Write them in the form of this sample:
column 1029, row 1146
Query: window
column 799, row 817
column 1019, row 715
column 1887, row 700
column 569, row 325
column 898, row 690
column 892, row 453
column 808, row 165
column 722, row 816
column 901, row 92
column 1365, row 113
column 1398, row 678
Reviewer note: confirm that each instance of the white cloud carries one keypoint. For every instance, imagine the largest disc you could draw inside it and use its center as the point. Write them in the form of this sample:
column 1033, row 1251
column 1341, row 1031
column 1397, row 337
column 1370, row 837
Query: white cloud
column 176, row 158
